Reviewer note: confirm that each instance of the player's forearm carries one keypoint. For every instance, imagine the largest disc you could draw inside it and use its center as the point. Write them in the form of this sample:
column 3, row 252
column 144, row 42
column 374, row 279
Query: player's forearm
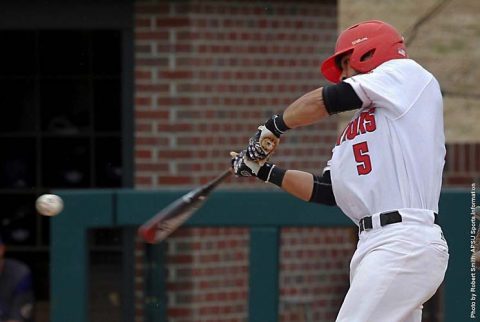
column 298, row 184
column 308, row 109
column 303, row 185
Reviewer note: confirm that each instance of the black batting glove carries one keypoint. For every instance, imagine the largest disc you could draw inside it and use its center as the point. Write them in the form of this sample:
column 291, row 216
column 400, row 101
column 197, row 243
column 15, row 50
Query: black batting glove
column 243, row 167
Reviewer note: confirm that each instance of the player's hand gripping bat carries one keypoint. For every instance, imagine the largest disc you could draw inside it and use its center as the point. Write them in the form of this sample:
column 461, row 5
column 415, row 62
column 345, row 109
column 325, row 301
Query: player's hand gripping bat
column 165, row 222
column 262, row 145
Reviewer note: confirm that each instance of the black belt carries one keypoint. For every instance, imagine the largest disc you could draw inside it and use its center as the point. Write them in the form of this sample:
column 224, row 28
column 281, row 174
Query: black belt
column 386, row 218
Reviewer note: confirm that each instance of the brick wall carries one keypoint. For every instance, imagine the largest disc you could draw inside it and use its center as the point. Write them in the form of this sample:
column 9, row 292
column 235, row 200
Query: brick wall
column 208, row 275
column 207, row 73
column 206, row 279
column 139, row 282
column 462, row 165
column 314, row 266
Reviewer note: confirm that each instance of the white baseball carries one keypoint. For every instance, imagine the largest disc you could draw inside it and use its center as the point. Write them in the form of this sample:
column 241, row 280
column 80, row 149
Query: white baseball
column 49, row 205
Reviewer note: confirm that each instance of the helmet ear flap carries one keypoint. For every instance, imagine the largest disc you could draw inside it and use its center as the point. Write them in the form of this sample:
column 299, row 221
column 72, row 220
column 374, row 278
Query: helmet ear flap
column 362, row 58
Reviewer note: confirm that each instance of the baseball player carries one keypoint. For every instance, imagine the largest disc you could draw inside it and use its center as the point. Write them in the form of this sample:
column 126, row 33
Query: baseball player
column 385, row 172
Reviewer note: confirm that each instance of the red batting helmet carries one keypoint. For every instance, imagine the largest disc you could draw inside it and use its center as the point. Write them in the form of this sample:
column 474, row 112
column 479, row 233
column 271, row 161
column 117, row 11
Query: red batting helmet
column 371, row 43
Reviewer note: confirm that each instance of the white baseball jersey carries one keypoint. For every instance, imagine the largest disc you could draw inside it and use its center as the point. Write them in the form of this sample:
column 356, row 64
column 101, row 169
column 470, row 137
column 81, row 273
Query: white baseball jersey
column 391, row 155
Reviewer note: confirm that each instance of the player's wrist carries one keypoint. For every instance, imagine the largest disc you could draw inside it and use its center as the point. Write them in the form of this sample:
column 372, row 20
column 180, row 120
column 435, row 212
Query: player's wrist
column 276, row 125
column 271, row 173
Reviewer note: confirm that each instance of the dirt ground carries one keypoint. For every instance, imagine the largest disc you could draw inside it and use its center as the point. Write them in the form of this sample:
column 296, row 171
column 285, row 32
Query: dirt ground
column 446, row 43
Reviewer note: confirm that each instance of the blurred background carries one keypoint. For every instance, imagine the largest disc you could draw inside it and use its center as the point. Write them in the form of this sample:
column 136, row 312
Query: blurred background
column 152, row 95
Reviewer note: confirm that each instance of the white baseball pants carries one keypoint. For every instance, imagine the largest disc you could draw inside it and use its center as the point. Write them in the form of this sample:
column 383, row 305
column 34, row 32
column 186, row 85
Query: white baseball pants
column 395, row 269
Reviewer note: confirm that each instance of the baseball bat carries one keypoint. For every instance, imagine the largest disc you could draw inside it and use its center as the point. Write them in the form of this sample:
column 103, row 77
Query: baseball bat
column 165, row 222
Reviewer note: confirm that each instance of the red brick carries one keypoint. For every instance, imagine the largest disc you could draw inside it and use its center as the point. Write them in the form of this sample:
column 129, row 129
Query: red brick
column 142, row 23
column 145, row 101
column 172, row 22
column 143, row 154
column 188, row 141
column 151, row 141
column 152, row 167
column 151, row 35
column 152, row 114
column 175, row 154
column 142, row 180
column 179, row 312
column 457, row 151
column 169, row 101
column 174, row 180
column 178, row 74
column 209, row 258
column 152, row 62
column 144, row 127
column 154, row 88
column 143, row 74
column 467, row 149
column 186, row 35
column 189, row 167
column 451, row 158
column 172, row 128
column 143, row 49
column 181, row 259
column 185, row 232
column 460, row 180
column 477, row 158
column 152, row 8
column 177, row 48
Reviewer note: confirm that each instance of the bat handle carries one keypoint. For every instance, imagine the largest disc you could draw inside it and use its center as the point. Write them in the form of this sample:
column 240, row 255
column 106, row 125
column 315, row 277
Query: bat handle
column 212, row 184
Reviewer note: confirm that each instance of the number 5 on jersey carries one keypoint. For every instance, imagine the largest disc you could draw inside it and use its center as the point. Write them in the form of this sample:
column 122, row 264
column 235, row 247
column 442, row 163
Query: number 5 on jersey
column 360, row 152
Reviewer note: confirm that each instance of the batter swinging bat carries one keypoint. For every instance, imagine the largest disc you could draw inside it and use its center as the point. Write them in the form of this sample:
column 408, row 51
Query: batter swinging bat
column 175, row 214
column 165, row 222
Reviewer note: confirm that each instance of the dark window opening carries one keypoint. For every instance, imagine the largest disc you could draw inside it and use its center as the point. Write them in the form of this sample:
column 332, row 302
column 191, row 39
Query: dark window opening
column 61, row 127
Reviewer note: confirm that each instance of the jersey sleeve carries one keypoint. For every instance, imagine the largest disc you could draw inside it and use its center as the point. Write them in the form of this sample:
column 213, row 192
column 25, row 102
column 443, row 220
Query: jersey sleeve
column 393, row 86
column 327, row 167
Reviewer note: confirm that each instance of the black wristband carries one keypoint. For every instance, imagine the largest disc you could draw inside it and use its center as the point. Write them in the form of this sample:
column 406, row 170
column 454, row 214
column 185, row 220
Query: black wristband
column 271, row 173
column 277, row 125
